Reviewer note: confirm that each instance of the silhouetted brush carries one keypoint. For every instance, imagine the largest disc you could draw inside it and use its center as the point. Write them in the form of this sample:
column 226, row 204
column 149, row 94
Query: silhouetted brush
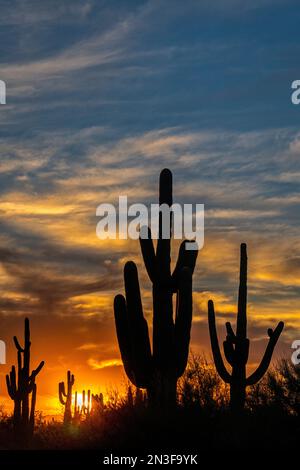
column 236, row 345
column 65, row 397
column 159, row 369
column 21, row 385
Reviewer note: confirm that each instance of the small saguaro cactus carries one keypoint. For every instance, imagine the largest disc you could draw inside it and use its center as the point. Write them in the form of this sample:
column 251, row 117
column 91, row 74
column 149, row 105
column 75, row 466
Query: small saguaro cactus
column 65, row 397
column 135, row 398
column 86, row 403
column 77, row 410
column 158, row 370
column 97, row 404
column 20, row 385
column 236, row 345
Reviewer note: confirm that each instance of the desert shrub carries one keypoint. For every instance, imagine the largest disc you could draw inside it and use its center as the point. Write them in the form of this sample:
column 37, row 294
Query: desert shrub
column 201, row 386
column 278, row 392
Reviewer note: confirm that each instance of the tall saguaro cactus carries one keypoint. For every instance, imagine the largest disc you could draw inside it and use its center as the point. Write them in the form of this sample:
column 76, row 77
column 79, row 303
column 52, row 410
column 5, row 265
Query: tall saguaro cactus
column 236, row 345
column 65, row 397
column 20, row 385
column 157, row 370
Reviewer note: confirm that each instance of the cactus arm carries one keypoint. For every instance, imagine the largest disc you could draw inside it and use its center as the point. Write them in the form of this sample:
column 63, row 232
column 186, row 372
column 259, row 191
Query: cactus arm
column 183, row 320
column 241, row 326
column 19, row 360
column 138, row 327
column 229, row 351
column 62, row 393
column 186, row 258
column 132, row 291
column 265, row 362
column 9, row 387
column 17, row 344
column 122, row 328
column 11, row 383
column 222, row 371
column 35, row 372
column 137, row 324
column 148, row 253
column 132, row 329
column 229, row 329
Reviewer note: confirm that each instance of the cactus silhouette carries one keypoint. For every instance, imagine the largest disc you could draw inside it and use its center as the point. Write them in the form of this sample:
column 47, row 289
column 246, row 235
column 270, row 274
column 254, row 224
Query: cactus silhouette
column 90, row 403
column 77, row 410
column 65, row 397
column 236, row 345
column 157, row 370
column 20, row 385
column 135, row 398
column 86, row 403
column 97, row 404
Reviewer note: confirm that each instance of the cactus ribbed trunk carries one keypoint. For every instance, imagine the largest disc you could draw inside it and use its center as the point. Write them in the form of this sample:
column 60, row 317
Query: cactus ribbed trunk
column 157, row 370
column 238, row 392
column 17, row 414
column 163, row 391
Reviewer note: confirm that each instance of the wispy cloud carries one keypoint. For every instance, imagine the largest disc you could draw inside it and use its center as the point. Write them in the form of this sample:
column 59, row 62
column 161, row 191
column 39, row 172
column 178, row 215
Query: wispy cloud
column 101, row 97
column 96, row 365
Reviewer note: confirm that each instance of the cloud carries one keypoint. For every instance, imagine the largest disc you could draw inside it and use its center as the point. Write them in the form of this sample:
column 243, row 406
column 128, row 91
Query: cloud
column 88, row 347
column 55, row 224
column 34, row 12
column 101, row 97
column 96, row 365
column 57, row 69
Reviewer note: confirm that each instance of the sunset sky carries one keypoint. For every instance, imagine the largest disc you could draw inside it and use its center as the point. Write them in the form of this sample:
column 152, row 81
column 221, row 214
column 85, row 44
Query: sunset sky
column 101, row 95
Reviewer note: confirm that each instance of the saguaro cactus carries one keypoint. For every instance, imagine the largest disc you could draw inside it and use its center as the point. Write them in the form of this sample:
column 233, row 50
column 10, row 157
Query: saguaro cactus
column 157, row 370
column 20, row 385
column 97, row 404
column 236, row 345
column 65, row 397
column 77, row 410
column 86, row 403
